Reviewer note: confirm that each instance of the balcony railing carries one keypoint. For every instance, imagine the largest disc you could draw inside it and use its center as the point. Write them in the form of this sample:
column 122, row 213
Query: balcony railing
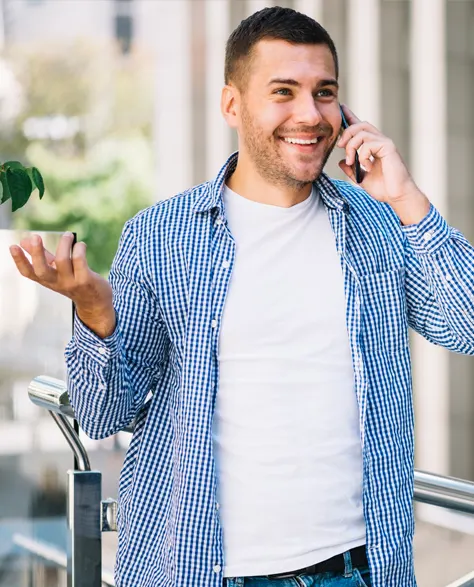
column 85, row 526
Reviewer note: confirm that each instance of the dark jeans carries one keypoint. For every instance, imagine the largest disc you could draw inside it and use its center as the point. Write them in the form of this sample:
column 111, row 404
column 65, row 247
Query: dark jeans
column 352, row 577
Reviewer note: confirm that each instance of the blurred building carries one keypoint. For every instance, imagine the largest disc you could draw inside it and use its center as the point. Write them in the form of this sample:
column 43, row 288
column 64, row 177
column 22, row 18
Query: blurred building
column 406, row 65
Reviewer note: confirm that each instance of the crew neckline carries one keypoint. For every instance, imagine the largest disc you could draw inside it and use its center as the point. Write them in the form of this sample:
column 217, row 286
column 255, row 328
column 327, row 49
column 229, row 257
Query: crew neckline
column 236, row 197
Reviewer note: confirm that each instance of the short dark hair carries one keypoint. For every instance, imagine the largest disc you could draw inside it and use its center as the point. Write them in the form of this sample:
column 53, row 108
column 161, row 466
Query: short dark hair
column 275, row 23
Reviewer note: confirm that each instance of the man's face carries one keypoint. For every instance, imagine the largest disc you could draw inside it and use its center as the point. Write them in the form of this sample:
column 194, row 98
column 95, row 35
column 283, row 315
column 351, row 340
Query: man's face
column 290, row 98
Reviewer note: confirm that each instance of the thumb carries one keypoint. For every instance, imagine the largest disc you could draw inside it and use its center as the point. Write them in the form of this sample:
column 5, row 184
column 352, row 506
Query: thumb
column 79, row 261
column 347, row 169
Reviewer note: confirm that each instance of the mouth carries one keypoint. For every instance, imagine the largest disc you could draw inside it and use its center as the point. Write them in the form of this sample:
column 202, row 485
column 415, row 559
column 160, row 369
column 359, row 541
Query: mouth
column 303, row 145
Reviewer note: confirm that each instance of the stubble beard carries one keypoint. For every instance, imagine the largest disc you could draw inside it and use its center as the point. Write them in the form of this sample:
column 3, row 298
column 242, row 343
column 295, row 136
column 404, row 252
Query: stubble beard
column 264, row 153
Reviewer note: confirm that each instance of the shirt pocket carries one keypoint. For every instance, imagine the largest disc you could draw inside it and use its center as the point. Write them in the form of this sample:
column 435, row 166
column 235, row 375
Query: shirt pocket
column 384, row 310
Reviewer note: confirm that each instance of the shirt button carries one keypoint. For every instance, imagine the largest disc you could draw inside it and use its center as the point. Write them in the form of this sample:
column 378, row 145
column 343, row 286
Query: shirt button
column 219, row 221
column 218, row 505
column 217, row 569
column 449, row 277
column 428, row 235
column 102, row 351
column 226, row 264
column 214, row 323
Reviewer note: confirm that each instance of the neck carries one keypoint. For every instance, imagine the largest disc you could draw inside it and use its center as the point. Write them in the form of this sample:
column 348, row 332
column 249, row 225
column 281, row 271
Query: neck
column 248, row 183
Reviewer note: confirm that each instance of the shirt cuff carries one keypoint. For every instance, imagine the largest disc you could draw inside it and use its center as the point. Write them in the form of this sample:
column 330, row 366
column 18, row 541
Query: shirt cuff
column 101, row 350
column 429, row 234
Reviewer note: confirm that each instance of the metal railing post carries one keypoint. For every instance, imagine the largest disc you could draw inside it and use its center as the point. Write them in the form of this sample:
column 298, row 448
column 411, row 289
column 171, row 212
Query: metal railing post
column 84, row 553
column 84, row 490
column 89, row 516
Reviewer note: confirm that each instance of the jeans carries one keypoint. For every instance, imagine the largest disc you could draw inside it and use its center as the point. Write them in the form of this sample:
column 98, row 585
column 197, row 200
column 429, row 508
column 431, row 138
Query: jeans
column 352, row 577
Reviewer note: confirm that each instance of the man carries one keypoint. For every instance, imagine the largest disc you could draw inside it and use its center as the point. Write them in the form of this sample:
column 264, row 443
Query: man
column 267, row 312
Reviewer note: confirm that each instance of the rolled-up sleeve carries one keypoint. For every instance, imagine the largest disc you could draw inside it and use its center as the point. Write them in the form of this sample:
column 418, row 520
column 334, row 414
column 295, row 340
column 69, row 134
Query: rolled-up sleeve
column 109, row 379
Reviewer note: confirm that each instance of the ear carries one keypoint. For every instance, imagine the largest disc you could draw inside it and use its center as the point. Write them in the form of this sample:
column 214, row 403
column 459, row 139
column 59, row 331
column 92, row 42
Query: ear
column 230, row 101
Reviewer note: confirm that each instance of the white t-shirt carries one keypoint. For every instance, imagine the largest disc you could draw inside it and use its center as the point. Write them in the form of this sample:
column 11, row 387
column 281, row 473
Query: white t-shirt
column 286, row 424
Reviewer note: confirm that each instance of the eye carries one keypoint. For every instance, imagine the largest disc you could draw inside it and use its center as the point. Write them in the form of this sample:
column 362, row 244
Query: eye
column 325, row 93
column 283, row 92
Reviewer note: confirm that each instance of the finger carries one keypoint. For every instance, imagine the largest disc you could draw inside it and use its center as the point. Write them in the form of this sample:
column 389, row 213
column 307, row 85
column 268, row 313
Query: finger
column 365, row 156
column 22, row 264
column 26, row 244
column 79, row 262
column 63, row 261
column 347, row 169
column 371, row 151
column 43, row 270
column 360, row 139
column 354, row 130
column 356, row 141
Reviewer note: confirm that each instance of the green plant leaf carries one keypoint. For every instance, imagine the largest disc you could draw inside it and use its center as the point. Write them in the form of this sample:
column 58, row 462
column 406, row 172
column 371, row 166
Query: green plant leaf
column 13, row 165
column 29, row 171
column 5, row 191
column 20, row 187
column 38, row 181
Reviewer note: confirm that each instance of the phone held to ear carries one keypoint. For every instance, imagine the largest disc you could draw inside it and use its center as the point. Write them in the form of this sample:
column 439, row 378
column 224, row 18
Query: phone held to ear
column 356, row 168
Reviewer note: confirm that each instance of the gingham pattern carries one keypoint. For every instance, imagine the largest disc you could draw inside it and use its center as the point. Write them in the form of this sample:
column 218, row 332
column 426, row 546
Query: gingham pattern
column 170, row 283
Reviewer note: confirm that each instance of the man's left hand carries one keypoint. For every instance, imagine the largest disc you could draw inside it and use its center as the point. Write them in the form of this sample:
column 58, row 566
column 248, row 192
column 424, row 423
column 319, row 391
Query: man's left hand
column 386, row 177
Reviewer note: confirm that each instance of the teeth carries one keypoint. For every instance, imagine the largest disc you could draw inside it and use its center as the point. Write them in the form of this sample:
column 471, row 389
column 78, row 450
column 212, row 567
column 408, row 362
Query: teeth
column 301, row 141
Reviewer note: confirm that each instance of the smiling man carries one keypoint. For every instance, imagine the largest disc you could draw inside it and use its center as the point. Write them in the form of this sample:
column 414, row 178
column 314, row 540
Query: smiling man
column 282, row 99
column 267, row 311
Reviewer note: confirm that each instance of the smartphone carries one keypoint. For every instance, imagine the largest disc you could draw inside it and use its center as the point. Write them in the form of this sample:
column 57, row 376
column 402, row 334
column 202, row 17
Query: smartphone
column 356, row 168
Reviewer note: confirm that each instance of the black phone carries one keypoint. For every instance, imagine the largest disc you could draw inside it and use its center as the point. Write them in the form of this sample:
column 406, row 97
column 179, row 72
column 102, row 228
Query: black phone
column 356, row 168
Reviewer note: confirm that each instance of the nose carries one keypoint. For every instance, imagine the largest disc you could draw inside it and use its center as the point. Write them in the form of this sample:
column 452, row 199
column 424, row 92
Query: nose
column 306, row 111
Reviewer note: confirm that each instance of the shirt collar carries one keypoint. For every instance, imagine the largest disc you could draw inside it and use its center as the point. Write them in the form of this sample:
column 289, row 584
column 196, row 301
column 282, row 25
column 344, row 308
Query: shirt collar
column 212, row 196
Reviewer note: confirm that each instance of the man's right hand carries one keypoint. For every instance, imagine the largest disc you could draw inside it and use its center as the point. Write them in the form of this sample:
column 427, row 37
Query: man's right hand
column 68, row 273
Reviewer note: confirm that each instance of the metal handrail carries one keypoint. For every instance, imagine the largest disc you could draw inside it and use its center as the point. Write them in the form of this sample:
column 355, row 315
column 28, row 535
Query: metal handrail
column 438, row 490
column 87, row 515
column 447, row 492
column 82, row 458
column 50, row 393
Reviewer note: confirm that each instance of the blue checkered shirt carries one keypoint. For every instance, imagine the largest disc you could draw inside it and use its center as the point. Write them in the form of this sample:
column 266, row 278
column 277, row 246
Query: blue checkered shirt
column 170, row 279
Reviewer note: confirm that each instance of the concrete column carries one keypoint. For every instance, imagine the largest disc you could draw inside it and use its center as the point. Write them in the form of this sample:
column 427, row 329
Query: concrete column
column 429, row 168
column 218, row 134
column 460, row 125
column 173, row 97
column 2, row 26
column 363, row 59
column 313, row 8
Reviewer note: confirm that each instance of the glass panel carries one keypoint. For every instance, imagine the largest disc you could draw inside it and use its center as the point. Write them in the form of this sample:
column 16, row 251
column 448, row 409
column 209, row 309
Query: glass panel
column 35, row 326
column 78, row 101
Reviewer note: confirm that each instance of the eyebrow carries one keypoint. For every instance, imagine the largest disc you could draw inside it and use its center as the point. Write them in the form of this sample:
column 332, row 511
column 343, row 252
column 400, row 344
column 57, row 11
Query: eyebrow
column 293, row 82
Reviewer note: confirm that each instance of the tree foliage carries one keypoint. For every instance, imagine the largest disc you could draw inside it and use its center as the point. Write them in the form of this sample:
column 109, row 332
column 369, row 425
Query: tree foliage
column 102, row 173
column 92, row 195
